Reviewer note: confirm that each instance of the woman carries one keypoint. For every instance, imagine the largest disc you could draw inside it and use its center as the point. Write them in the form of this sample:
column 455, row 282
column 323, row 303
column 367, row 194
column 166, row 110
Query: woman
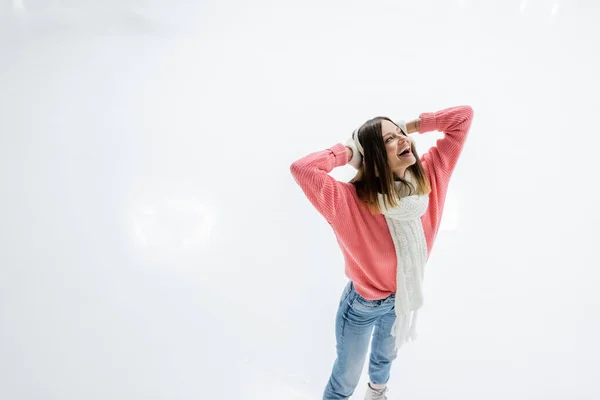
column 385, row 220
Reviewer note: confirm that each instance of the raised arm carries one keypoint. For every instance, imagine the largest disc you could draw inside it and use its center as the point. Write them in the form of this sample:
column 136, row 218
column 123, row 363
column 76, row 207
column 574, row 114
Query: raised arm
column 454, row 122
column 312, row 174
column 440, row 160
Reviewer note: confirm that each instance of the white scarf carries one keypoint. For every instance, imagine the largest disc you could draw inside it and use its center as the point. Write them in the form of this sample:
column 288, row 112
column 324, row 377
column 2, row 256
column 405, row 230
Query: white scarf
column 404, row 222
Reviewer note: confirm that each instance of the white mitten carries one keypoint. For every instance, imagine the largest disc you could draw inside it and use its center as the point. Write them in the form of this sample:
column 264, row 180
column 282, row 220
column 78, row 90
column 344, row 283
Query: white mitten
column 356, row 157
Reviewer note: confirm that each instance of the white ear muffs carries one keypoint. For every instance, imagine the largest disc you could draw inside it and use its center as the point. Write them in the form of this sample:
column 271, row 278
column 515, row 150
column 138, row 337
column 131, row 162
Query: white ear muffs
column 357, row 142
column 357, row 157
column 402, row 125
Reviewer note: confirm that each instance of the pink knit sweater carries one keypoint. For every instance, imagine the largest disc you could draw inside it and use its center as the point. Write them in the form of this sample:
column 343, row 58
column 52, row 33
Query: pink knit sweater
column 364, row 238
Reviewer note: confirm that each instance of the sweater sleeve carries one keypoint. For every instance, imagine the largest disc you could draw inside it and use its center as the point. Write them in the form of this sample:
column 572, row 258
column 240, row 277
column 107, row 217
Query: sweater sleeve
column 454, row 123
column 312, row 175
column 440, row 160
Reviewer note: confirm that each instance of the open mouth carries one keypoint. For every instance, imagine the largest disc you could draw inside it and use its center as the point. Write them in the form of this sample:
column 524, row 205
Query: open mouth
column 404, row 153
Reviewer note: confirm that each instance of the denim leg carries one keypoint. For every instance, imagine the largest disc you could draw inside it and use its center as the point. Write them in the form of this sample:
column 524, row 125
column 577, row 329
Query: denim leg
column 354, row 325
column 382, row 349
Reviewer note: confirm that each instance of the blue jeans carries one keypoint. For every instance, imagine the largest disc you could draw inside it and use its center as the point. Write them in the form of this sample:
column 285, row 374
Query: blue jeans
column 355, row 320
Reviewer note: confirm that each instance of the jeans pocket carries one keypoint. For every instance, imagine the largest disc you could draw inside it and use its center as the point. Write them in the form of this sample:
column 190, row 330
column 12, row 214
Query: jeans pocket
column 364, row 305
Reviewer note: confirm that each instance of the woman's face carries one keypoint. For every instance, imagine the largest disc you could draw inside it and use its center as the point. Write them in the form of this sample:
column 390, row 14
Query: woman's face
column 398, row 147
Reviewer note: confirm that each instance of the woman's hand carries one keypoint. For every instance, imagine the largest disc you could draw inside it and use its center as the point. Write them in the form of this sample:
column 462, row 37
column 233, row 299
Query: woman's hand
column 354, row 157
column 413, row 126
column 350, row 153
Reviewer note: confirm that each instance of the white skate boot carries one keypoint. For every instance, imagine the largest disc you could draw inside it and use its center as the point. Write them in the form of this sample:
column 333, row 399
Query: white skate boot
column 374, row 394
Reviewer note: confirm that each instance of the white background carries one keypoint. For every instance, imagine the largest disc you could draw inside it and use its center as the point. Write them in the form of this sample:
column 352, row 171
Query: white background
column 153, row 243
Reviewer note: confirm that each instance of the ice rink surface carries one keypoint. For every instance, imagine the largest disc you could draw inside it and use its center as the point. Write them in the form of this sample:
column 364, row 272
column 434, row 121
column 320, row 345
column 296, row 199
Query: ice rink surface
column 154, row 245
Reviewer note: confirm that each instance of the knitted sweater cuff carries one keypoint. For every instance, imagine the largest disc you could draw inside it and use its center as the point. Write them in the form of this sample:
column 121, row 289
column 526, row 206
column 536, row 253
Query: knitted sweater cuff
column 428, row 123
column 341, row 154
